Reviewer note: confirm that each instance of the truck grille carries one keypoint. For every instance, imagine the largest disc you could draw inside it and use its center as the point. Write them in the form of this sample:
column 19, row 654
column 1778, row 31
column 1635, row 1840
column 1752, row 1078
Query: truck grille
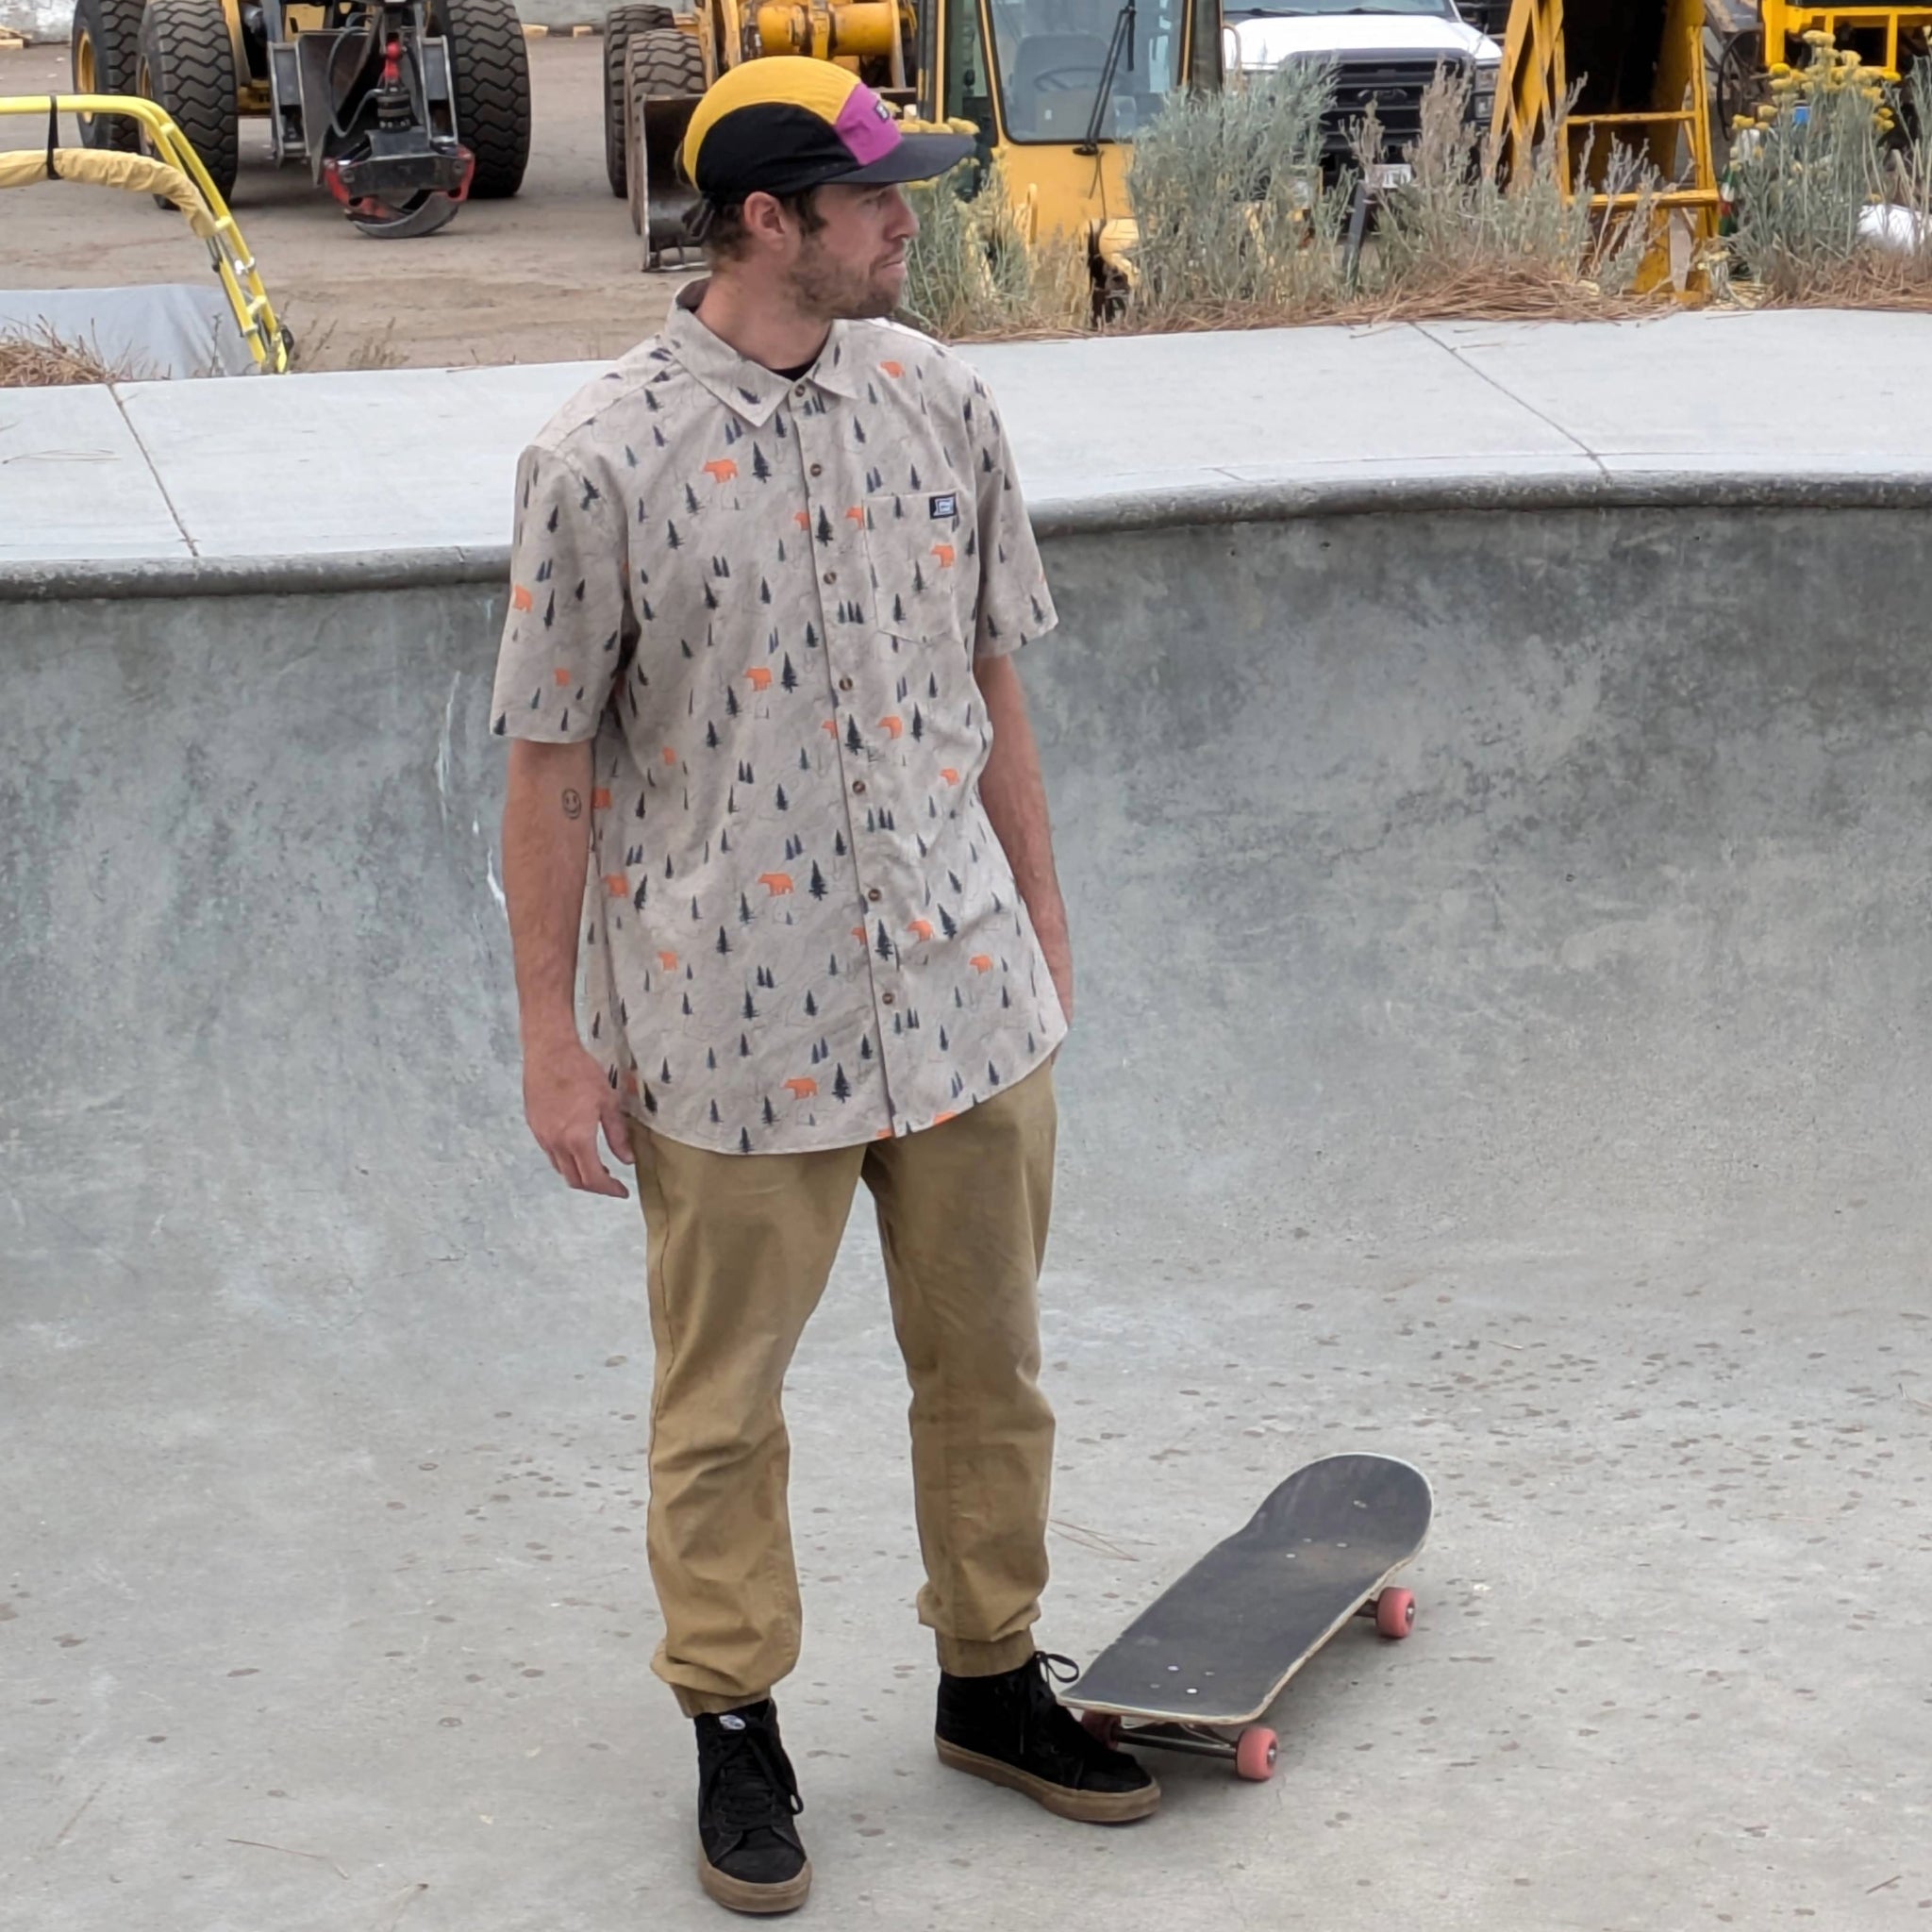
column 1393, row 87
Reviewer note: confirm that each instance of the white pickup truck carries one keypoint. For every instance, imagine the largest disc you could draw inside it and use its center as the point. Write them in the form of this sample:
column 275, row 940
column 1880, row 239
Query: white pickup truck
column 1384, row 53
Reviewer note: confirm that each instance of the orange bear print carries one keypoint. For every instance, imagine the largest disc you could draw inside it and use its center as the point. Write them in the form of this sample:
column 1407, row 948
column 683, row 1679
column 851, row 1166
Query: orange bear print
column 616, row 885
column 600, row 799
column 722, row 470
column 945, row 553
column 892, row 727
column 981, row 962
column 951, row 776
column 758, row 678
column 776, row 883
column 893, row 369
column 520, row 599
column 802, row 1089
column 560, row 674
column 921, row 929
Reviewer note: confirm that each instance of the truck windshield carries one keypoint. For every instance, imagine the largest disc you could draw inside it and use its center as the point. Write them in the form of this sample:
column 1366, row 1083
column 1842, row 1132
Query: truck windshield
column 1051, row 54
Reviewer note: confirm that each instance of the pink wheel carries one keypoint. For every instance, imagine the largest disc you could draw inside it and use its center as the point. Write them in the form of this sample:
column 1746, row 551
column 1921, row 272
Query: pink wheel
column 1255, row 1753
column 1102, row 1724
column 1395, row 1612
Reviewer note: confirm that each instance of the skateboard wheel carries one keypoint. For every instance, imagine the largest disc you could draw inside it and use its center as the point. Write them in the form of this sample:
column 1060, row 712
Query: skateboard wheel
column 1102, row 1724
column 1395, row 1612
column 1255, row 1753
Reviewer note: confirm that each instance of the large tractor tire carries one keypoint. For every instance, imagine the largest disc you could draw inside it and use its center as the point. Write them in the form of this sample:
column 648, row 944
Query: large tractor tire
column 106, row 57
column 489, row 75
column 664, row 80
column 187, row 67
column 620, row 24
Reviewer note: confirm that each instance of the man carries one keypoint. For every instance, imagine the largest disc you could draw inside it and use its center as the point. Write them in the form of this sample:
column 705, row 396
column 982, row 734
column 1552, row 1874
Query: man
column 768, row 575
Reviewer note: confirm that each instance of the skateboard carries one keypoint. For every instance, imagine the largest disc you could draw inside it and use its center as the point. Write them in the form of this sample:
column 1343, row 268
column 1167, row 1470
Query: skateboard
column 1203, row 1663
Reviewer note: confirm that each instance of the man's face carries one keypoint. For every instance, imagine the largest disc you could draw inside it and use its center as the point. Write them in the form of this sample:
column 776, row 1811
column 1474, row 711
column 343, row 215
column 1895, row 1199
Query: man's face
column 854, row 267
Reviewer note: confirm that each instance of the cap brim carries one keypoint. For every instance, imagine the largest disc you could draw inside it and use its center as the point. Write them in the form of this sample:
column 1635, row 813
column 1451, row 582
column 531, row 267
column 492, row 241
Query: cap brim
column 917, row 157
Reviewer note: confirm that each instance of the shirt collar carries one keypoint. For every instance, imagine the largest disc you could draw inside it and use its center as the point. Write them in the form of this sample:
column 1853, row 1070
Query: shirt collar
column 748, row 388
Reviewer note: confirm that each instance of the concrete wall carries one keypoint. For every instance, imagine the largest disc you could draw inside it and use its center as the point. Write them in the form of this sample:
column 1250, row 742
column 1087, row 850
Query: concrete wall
column 1430, row 870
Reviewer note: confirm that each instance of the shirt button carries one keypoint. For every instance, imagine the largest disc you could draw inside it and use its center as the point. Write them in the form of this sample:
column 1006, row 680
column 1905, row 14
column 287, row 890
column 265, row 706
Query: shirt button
column 858, row 784
column 799, row 391
column 818, row 469
column 845, row 684
column 875, row 895
column 831, row 576
column 884, row 999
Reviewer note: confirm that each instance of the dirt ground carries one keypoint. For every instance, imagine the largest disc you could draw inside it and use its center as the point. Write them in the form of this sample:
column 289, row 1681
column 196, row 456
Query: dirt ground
column 550, row 277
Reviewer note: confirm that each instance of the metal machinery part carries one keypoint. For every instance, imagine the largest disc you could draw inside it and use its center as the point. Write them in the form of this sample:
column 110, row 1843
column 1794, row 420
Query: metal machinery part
column 1639, row 70
column 403, row 109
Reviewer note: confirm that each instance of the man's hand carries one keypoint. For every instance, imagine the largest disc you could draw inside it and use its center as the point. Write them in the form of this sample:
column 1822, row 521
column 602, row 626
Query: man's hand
column 566, row 1098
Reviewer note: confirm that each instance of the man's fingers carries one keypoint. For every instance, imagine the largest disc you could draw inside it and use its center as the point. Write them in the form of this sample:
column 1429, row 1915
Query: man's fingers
column 593, row 1177
column 616, row 1131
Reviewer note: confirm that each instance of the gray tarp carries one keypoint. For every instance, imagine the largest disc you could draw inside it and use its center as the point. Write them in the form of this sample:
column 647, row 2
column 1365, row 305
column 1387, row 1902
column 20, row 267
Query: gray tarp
column 175, row 330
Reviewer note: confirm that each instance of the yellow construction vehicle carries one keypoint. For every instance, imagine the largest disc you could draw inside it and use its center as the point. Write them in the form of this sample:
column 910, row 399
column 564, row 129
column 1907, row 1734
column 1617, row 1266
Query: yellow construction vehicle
column 1639, row 74
column 1053, row 89
column 402, row 109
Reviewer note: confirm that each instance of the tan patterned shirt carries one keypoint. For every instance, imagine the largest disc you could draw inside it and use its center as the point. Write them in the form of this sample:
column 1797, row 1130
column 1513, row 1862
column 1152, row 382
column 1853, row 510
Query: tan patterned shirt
column 761, row 599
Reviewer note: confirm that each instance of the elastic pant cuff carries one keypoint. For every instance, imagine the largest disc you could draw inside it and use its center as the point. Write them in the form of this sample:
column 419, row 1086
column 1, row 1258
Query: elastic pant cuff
column 961, row 1658
column 713, row 1702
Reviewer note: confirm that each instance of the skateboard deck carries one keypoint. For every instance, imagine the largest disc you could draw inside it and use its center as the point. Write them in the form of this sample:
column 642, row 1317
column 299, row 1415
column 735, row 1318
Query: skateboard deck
column 1219, row 1646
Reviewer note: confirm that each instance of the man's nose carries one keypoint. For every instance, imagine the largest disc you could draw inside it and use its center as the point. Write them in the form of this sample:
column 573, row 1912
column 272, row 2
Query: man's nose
column 902, row 224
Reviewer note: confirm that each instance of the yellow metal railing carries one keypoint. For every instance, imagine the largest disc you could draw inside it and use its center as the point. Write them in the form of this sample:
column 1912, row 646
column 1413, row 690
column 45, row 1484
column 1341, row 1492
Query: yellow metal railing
column 1887, row 37
column 1662, row 116
column 171, row 168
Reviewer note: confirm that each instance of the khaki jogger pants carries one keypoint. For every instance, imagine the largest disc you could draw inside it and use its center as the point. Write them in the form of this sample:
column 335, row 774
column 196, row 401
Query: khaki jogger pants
column 741, row 1248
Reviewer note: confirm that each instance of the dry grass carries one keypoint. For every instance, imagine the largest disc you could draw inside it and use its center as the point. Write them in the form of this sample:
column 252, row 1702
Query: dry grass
column 1237, row 230
column 39, row 358
column 971, row 275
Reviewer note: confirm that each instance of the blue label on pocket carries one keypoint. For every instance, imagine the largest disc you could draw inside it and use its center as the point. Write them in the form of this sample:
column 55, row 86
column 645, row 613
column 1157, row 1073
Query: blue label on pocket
column 946, row 506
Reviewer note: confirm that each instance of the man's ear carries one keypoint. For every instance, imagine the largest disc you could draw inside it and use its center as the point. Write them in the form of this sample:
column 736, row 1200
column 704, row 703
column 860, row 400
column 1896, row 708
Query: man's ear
column 765, row 220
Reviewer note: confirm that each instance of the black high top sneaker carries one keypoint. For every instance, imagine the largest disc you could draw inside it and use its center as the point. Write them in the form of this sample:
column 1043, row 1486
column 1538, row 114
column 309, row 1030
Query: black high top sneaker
column 1012, row 1730
column 751, row 1857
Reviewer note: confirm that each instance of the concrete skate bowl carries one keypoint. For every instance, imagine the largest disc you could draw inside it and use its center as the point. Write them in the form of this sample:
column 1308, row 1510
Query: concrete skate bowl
column 1504, row 1038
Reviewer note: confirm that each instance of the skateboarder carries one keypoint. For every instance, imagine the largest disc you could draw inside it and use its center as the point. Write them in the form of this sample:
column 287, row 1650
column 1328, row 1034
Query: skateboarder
column 768, row 577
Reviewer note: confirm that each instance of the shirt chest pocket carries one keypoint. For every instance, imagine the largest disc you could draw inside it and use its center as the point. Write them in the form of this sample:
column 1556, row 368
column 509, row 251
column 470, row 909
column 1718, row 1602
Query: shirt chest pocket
column 924, row 570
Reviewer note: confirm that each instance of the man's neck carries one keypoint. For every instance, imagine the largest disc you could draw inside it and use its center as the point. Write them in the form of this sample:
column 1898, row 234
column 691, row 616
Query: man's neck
column 773, row 334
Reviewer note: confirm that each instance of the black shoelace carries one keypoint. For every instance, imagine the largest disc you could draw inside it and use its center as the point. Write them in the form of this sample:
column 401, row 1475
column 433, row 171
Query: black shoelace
column 1047, row 1727
column 749, row 1785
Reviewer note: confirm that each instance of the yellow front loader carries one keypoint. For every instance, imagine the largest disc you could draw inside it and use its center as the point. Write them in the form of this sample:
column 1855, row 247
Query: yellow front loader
column 1637, row 72
column 1055, row 90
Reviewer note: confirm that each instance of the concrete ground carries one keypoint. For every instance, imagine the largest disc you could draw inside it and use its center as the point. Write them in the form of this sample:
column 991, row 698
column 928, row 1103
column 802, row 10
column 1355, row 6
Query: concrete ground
column 549, row 276
column 1506, row 1042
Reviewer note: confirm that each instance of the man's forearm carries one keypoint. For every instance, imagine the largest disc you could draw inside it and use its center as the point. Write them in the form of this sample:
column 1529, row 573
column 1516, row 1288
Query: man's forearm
column 1014, row 794
column 547, row 841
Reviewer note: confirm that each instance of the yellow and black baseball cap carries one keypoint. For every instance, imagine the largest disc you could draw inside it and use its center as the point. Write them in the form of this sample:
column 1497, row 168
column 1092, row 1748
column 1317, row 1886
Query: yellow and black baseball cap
column 781, row 123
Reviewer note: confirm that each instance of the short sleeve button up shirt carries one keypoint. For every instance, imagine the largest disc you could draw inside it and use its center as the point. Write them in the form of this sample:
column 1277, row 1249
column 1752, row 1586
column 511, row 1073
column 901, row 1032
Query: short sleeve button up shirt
column 761, row 599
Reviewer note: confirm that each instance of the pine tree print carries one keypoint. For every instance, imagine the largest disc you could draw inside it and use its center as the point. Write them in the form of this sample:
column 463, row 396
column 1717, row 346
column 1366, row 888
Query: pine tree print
column 841, row 1086
column 724, row 942
column 817, row 889
column 760, row 469
column 787, row 677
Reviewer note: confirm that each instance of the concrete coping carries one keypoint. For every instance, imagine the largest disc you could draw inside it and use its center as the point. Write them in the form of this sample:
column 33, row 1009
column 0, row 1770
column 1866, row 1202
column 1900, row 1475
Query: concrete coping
column 399, row 478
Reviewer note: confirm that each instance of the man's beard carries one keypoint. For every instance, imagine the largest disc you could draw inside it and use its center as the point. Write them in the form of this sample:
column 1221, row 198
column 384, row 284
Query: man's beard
column 829, row 292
